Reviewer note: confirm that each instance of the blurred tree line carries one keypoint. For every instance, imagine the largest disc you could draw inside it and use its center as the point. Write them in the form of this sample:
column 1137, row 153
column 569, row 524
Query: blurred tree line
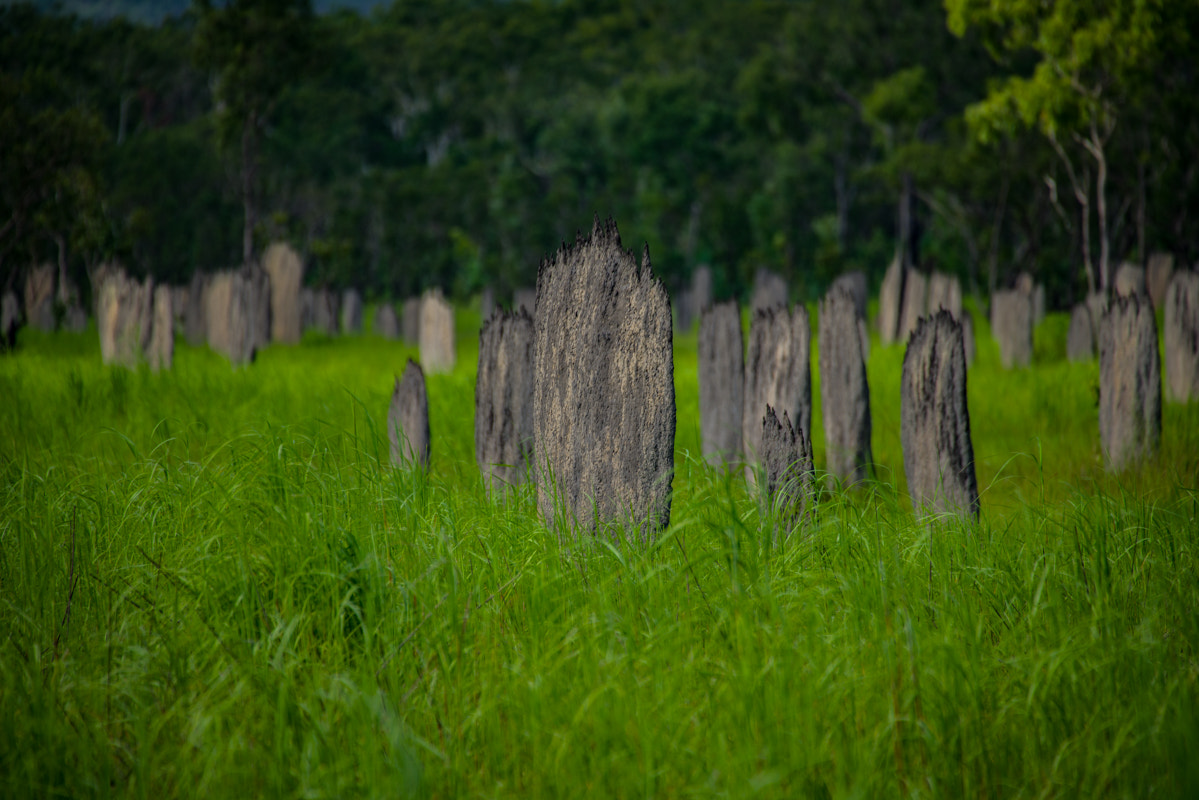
column 455, row 143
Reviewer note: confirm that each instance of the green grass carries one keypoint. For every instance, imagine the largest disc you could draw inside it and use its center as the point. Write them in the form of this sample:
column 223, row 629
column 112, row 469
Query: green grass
column 211, row 585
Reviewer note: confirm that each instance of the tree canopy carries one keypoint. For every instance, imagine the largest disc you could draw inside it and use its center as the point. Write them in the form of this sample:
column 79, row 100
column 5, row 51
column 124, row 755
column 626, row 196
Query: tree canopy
column 454, row 143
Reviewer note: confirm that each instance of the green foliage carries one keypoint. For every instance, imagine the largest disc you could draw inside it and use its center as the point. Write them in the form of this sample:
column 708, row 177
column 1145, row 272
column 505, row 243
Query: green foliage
column 788, row 134
column 50, row 152
column 212, row 583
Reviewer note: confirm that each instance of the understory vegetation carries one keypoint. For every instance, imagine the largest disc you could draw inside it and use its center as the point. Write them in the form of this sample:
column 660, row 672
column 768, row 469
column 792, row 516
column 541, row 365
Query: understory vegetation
column 213, row 584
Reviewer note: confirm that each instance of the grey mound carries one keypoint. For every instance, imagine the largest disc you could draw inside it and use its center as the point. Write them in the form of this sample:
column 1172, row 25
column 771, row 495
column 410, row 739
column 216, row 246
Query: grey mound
column 1130, row 394
column 968, row 337
column 1038, row 304
column 938, row 456
column 123, row 317
column 721, row 382
column 486, row 302
column 161, row 350
column 408, row 419
column 890, row 300
column 1181, row 322
column 179, row 297
column 1011, row 324
column 194, row 320
column 286, row 273
column 778, row 373
column 945, row 292
column 604, row 406
column 67, row 296
column 864, row 335
column 258, row 287
column 307, row 308
column 525, row 299
column 10, row 320
column 325, row 311
column 504, row 399
column 787, row 471
column 39, row 297
column 1157, row 277
column 351, row 312
column 386, row 324
column 1130, row 280
column 436, row 333
column 770, row 291
column 701, row 290
column 915, row 302
column 844, row 391
column 231, row 314
column 855, row 283
column 1080, row 340
column 694, row 298
column 1096, row 306
column 410, row 321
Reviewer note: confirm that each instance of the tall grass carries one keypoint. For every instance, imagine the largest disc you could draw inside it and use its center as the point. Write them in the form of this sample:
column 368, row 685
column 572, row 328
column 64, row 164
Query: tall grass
column 212, row 584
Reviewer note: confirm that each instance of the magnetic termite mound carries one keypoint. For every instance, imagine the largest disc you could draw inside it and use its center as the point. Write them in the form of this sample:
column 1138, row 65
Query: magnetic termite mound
column 769, row 290
column 387, row 324
column 938, row 455
column 778, row 373
column 1080, row 339
column 890, row 302
column 694, row 298
column 844, row 391
column 721, row 362
column 603, row 398
column 351, row 312
column 945, row 292
column 1130, row 389
column 10, row 320
column 1158, row 273
column 915, row 302
column 231, row 314
column 410, row 321
column 1181, row 334
column 1011, row 324
column 437, row 351
column 123, row 316
column 39, row 297
column 787, row 472
column 408, row 419
column 856, row 284
column 504, row 398
column 160, row 350
column 286, row 272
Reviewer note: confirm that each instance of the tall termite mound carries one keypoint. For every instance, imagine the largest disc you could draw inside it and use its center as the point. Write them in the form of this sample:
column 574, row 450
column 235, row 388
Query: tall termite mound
column 603, row 399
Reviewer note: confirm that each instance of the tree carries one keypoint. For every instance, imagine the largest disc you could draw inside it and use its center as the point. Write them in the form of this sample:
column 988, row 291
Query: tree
column 256, row 48
column 1089, row 56
column 47, row 168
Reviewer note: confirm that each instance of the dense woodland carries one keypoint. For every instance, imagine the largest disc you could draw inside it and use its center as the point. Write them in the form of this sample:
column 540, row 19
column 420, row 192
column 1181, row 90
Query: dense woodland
column 454, row 143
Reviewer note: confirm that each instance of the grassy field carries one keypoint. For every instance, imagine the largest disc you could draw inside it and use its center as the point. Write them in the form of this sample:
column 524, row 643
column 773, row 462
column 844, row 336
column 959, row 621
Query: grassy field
column 212, row 585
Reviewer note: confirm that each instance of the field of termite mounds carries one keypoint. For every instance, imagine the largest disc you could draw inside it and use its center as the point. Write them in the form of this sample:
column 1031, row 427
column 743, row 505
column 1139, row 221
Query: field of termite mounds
column 575, row 387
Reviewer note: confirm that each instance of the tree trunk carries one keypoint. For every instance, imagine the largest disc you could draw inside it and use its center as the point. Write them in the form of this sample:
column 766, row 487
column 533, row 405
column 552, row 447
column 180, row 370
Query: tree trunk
column 1082, row 195
column 996, row 232
column 1105, row 273
column 1084, row 205
column 844, row 197
column 909, row 238
column 61, row 242
column 692, row 241
column 1141, row 212
column 249, row 169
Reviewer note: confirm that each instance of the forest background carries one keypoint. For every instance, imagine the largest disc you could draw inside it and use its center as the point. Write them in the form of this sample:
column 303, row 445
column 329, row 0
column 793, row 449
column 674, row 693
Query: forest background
column 454, row 143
